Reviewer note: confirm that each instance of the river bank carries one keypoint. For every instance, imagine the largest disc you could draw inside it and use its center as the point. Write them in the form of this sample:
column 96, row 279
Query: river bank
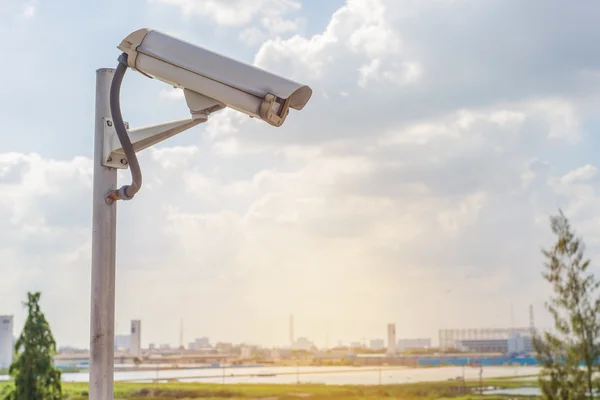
column 195, row 391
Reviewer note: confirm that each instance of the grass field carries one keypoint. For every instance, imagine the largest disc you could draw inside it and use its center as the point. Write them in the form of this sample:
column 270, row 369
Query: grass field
column 195, row 391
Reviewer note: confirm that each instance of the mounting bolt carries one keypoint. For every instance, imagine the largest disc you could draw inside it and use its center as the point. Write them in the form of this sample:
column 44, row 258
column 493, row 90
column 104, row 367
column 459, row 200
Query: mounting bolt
column 123, row 161
column 109, row 159
column 109, row 122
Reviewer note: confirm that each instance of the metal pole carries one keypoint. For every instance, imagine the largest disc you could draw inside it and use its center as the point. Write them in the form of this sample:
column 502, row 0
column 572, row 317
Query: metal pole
column 103, row 255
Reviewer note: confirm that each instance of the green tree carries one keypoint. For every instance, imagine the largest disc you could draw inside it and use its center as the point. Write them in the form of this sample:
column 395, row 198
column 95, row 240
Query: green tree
column 575, row 307
column 35, row 377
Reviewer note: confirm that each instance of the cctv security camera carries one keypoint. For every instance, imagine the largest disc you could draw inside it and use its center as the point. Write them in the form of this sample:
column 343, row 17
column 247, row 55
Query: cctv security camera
column 210, row 83
column 245, row 88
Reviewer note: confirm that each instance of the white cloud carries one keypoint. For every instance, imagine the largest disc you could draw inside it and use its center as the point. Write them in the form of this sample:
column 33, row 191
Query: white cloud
column 29, row 10
column 233, row 12
column 565, row 121
column 173, row 157
column 172, row 94
column 400, row 74
column 358, row 28
column 465, row 213
column 227, row 147
column 277, row 25
column 253, row 36
column 360, row 44
column 580, row 174
column 505, row 117
column 368, row 72
column 407, row 72
column 225, row 123
column 231, row 147
column 321, row 213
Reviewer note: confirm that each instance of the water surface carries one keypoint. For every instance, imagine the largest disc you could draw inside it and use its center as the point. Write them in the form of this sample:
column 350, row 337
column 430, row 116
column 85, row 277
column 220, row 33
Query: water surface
column 323, row 375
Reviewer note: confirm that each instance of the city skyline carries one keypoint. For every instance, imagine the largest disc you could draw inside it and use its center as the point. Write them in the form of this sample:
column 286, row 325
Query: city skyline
column 383, row 336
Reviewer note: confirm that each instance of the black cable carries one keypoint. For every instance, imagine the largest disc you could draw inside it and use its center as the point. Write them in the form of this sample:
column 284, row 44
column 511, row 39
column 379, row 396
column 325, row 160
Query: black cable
column 126, row 192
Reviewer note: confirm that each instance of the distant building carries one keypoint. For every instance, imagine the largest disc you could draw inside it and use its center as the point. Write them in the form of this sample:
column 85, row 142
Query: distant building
column 246, row 352
column 165, row 346
column 152, row 347
column 136, row 338
column 391, row 339
column 452, row 338
column 377, row 344
column 224, row 348
column 199, row 344
column 303, row 344
column 356, row 345
column 483, row 345
column 122, row 342
column 516, row 343
column 6, row 340
column 413, row 344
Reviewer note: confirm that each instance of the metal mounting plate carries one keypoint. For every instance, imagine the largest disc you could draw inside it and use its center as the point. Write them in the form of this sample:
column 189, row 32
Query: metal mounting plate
column 112, row 159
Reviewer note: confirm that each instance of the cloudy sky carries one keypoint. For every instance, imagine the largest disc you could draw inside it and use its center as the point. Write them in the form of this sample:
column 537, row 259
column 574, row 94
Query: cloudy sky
column 414, row 188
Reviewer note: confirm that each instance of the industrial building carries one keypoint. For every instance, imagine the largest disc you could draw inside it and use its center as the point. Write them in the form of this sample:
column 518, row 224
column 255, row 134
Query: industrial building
column 518, row 343
column 122, row 342
column 6, row 340
column 506, row 340
column 502, row 340
column 391, row 339
column 450, row 338
column 413, row 344
column 515, row 343
column 136, row 338
column 483, row 345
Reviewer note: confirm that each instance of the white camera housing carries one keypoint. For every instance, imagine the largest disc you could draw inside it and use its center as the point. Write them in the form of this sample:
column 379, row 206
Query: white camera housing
column 234, row 84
